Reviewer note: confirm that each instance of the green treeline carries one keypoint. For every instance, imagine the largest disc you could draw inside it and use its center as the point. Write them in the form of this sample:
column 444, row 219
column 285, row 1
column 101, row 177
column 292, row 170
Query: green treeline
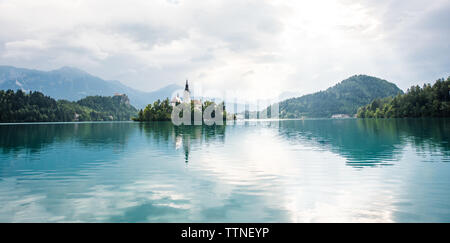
column 162, row 110
column 428, row 101
column 34, row 106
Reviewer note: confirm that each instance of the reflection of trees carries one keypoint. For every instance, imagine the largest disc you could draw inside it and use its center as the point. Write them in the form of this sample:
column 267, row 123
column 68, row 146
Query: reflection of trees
column 423, row 133
column 368, row 142
column 182, row 136
column 157, row 132
column 34, row 137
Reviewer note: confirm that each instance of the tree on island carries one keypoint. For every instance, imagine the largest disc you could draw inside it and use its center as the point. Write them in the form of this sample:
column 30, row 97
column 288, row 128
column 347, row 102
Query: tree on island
column 158, row 111
column 162, row 110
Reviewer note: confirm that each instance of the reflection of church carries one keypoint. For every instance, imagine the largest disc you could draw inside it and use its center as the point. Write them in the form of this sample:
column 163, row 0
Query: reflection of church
column 185, row 142
column 188, row 136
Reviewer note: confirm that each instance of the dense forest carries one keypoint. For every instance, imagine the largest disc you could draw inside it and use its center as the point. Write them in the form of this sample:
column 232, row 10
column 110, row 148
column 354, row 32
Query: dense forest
column 162, row 110
column 428, row 101
column 34, row 106
column 343, row 98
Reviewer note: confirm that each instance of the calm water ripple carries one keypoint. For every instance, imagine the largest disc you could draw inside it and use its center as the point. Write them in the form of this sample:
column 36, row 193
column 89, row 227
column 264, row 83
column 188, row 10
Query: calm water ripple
column 323, row 170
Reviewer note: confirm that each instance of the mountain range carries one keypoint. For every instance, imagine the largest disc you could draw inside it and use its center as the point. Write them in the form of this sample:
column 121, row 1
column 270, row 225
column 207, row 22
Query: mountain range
column 73, row 84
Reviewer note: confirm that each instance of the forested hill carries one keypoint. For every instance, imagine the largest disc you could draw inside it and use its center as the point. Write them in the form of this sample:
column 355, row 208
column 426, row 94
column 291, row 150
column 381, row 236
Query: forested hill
column 117, row 106
column 428, row 101
column 36, row 107
column 343, row 98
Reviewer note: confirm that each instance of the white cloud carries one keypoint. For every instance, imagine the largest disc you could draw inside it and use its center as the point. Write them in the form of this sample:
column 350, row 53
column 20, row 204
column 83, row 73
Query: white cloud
column 300, row 46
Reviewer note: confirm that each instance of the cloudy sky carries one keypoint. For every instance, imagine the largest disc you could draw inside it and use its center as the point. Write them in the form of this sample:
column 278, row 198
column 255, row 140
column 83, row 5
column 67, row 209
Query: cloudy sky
column 259, row 47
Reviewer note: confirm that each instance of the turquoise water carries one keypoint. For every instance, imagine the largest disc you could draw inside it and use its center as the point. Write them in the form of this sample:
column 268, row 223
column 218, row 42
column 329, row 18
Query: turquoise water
column 346, row 170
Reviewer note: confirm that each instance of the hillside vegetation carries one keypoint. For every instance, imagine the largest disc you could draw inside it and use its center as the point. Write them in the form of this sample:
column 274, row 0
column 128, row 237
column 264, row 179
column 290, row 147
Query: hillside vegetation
column 428, row 101
column 343, row 98
column 36, row 107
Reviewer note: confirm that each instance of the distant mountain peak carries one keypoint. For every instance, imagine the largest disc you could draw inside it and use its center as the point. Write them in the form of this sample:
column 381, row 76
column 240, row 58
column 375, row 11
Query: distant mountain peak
column 171, row 87
column 70, row 70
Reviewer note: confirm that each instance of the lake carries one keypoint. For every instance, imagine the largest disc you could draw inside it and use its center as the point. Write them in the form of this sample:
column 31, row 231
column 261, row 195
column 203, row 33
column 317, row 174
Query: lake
column 324, row 170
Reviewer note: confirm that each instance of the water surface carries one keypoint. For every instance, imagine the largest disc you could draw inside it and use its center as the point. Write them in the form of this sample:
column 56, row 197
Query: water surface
column 348, row 170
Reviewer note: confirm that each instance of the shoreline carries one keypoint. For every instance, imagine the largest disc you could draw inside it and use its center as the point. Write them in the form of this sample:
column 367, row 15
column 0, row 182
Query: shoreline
column 239, row 120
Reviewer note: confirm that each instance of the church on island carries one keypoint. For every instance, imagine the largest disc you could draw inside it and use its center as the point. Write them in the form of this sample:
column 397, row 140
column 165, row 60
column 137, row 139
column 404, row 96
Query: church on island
column 186, row 97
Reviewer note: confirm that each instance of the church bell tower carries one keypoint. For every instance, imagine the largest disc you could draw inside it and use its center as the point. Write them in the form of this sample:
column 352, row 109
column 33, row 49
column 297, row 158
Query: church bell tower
column 187, row 94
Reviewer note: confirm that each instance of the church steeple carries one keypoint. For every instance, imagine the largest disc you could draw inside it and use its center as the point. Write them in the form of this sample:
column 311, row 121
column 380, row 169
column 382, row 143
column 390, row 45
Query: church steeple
column 187, row 86
column 187, row 94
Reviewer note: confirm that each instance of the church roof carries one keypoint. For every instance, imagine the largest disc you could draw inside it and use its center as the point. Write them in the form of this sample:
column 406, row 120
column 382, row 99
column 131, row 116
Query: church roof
column 187, row 86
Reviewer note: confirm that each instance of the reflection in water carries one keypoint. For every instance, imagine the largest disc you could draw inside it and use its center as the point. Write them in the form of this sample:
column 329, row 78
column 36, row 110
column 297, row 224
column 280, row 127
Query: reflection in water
column 35, row 137
column 182, row 135
column 60, row 146
column 252, row 171
column 370, row 142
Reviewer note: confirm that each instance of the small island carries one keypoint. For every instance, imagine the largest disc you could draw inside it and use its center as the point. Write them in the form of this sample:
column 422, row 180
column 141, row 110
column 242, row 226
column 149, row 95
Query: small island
column 162, row 110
